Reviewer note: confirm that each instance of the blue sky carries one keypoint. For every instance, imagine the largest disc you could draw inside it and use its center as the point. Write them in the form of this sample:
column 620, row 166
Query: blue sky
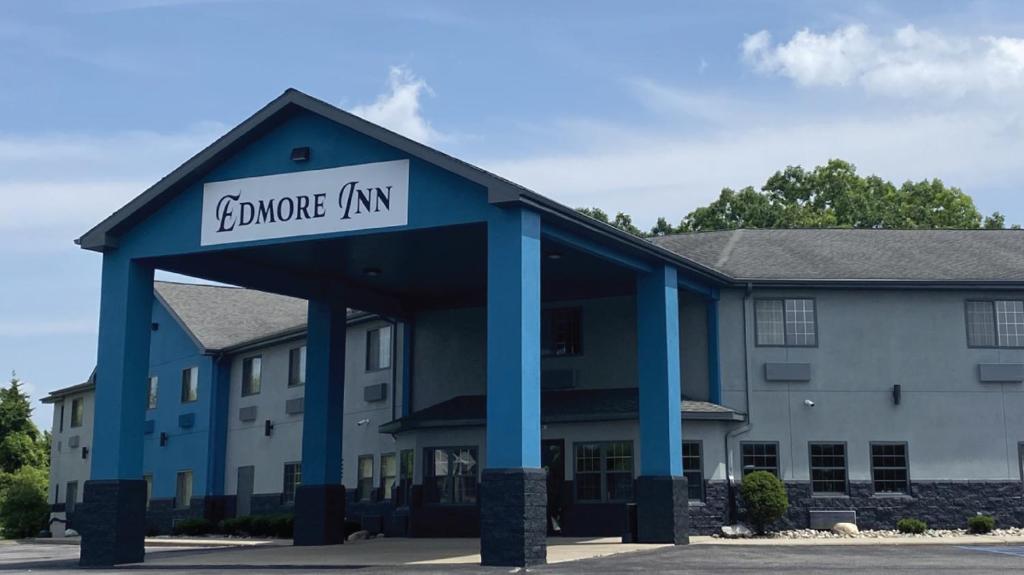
column 645, row 107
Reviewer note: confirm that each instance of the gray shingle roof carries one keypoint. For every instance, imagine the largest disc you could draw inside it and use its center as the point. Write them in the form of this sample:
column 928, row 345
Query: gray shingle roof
column 222, row 317
column 856, row 254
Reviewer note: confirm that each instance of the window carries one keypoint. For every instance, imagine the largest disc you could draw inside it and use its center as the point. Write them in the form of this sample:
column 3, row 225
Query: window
column 693, row 470
column 189, row 384
column 889, row 468
column 292, row 479
column 252, row 374
column 998, row 323
column 364, row 487
column 70, row 497
column 62, row 417
column 604, row 471
column 149, row 487
column 763, row 456
column 378, row 348
column 387, row 474
column 297, row 366
column 183, row 490
column 828, row 468
column 77, row 411
column 405, row 472
column 561, row 331
column 151, row 392
column 450, row 475
column 786, row 322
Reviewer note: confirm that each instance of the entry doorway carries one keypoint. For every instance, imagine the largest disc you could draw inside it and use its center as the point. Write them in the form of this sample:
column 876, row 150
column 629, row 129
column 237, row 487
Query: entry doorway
column 243, row 502
column 552, row 459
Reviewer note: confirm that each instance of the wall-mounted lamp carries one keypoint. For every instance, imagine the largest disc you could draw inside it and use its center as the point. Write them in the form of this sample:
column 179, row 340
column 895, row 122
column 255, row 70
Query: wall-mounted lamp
column 268, row 428
column 154, row 326
column 371, row 272
column 300, row 154
column 896, row 393
column 362, row 422
column 163, row 438
column 85, row 453
column 809, row 403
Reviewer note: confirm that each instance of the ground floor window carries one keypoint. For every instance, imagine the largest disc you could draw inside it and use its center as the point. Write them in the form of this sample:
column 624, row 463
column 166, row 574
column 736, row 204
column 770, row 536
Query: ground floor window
column 149, row 487
column 693, row 470
column 889, row 468
column 405, row 473
column 387, row 475
column 760, row 456
column 828, row 468
column 364, row 487
column 450, row 475
column 183, row 490
column 604, row 471
column 70, row 497
column 292, row 480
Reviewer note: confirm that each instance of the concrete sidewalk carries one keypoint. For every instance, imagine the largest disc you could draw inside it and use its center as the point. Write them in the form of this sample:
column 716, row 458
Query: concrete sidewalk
column 907, row 540
column 177, row 542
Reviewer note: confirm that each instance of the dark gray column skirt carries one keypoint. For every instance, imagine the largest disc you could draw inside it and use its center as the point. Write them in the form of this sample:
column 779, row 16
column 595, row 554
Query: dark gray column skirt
column 513, row 517
column 662, row 509
column 319, row 515
column 112, row 522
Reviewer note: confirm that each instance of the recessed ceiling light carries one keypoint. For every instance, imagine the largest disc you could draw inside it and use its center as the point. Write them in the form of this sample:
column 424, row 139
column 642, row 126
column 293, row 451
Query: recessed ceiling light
column 371, row 272
column 554, row 255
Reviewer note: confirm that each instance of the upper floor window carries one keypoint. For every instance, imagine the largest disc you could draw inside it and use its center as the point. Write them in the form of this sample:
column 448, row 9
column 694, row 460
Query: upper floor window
column 189, row 384
column 77, row 411
column 604, row 471
column 151, row 389
column 760, row 456
column 378, row 348
column 561, row 331
column 786, row 322
column 450, row 475
column 995, row 323
column 828, row 468
column 693, row 470
column 889, row 468
column 297, row 366
column 252, row 375
column 292, row 480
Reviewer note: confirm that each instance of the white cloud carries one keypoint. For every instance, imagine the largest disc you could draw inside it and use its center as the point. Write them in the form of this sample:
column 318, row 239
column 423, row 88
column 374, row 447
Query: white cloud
column 399, row 108
column 906, row 63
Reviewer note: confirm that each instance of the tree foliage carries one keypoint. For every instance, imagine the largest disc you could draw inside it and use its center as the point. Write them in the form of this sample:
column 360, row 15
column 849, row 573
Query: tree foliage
column 833, row 195
column 23, row 506
column 21, row 443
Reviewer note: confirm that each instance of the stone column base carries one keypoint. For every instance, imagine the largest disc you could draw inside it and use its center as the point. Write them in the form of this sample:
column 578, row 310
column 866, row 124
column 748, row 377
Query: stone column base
column 112, row 522
column 319, row 515
column 662, row 509
column 513, row 517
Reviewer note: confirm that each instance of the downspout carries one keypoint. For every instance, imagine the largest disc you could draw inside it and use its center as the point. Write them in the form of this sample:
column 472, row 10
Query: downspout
column 734, row 433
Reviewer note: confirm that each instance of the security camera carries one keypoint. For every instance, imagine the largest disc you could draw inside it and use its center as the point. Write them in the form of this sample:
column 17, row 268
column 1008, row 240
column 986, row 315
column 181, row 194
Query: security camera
column 808, row 403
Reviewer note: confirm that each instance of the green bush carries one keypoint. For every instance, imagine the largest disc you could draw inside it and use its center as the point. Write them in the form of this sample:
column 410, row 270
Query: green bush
column 23, row 507
column 765, row 498
column 981, row 524
column 911, row 525
column 193, row 526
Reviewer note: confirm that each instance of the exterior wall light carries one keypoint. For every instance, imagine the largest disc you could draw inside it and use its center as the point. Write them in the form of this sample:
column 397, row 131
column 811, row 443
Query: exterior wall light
column 268, row 428
column 300, row 154
column 897, row 391
column 163, row 438
column 85, row 453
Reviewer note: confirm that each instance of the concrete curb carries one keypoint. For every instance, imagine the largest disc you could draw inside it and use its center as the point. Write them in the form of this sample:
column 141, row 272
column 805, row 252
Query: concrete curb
column 169, row 542
column 765, row 542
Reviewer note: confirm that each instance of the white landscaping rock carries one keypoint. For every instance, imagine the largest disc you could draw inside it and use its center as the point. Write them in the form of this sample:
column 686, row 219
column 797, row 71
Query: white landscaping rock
column 845, row 529
column 70, row 533
column 736, row 531
column 359, row 535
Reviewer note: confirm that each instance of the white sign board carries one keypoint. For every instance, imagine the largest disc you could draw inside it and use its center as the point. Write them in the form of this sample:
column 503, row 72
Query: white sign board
column 302, row 203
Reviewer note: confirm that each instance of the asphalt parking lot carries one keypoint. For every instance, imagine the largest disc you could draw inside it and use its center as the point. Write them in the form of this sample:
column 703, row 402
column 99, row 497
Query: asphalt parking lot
column 702, row 559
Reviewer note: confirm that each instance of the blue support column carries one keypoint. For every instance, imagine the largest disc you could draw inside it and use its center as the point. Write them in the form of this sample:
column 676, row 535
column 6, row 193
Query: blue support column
column 513, row 504
column 114, row 514
column 662, row 505
column 714, row 361
column 320, row 498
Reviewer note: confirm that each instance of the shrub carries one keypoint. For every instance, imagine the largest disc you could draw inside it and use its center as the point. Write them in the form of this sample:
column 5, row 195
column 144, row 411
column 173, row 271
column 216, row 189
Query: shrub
column 765, row 498
column 282, row 526
column 911, row 525
column 981, row 524
column 193, row 526
column 23, row 507
column 260, row 526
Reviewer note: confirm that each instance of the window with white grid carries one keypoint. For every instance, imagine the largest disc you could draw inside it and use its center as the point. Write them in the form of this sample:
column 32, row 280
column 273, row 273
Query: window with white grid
column 998, row 323
column 1010, row 323
column 800, row 325
column 770, row 319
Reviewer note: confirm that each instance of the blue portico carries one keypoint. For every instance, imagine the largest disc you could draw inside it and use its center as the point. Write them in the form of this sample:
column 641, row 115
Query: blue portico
column 303, row 199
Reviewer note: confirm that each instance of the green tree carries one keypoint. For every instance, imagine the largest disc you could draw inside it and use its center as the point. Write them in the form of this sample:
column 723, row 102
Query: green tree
column 23, row 506
column 20, row 442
